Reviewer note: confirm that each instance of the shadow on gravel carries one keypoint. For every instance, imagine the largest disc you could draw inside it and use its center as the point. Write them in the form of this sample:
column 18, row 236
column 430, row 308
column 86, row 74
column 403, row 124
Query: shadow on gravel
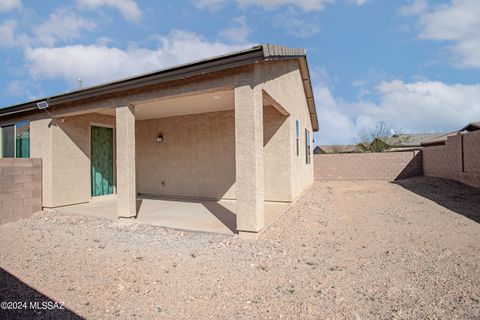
column 20, row 301
column 453, row 195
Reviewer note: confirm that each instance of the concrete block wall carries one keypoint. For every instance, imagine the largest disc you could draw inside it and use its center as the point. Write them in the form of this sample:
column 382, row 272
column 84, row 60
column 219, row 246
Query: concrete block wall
column 471, row 150
column 444, row 161
column 368, row 166
column 20, row 188
column 451, row 161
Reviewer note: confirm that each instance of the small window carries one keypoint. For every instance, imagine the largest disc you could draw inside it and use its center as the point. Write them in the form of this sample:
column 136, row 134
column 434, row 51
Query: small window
column 307, row 147
column 15, row 140
column 297, row 135
column 8, row 141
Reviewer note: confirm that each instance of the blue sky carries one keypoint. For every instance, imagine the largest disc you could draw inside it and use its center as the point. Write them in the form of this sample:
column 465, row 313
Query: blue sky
column 412, row 63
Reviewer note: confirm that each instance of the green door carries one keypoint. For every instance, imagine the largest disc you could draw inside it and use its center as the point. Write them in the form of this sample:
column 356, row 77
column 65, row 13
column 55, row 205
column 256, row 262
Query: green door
column 102, row 161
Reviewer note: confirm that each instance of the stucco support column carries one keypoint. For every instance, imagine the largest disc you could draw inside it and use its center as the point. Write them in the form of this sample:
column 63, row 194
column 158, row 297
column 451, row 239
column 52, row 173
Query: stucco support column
column 249, row 159
column 126, row 184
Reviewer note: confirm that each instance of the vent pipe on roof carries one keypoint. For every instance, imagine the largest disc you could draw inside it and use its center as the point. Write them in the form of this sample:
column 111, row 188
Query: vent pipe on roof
column 80, row 84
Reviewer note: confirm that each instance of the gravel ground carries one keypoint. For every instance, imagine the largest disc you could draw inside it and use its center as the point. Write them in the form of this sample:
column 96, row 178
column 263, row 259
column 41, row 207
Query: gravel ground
column 346, row 250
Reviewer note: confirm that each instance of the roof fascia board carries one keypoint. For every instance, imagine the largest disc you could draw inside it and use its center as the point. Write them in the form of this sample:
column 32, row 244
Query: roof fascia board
column 162, row 76
column 220, row 63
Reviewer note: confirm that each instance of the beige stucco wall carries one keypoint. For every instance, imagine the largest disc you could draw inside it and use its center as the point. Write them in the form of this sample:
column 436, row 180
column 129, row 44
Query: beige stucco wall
column 282, row 81
column 276, row 151
column 196, row 159
column 125, row 161
column 41, row 147
column 64, row 147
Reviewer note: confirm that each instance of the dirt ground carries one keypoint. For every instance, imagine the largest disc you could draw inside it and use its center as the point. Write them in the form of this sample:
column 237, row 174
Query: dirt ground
column 346, row 250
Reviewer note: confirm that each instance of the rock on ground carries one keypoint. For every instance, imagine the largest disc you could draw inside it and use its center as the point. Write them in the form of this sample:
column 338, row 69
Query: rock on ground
column 346, row 250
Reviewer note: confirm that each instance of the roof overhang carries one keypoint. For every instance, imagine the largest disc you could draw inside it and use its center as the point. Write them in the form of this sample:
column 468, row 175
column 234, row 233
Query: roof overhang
column 473, row 126
column 266, row 52
column 434, row 143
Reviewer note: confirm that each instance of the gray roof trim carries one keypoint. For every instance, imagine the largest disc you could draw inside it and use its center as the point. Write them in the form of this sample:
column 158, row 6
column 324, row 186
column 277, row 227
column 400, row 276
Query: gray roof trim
column 218, row 63
column 411, row 139
column 472, row 126
column 441, row 140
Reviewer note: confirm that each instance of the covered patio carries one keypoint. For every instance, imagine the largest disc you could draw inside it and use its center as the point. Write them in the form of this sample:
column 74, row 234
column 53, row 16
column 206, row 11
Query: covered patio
column 190, row 161
column 220, row 145
column 180, row 214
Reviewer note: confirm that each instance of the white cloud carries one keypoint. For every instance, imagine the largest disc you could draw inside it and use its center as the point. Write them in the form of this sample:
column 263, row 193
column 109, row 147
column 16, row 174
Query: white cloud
column 9, row 37
column 104, row 41
column 7, row 5
column 423, row 106
column 457, row 23
column 295, row 25
column 415, row 7
column 212, row 5
column 428, row 105
column 17, row 88
column 62, row 25
column 238, row 31
column 335, row 125
column 128, row 8
column 305, row 5
column 7, row 33
column 96, row 64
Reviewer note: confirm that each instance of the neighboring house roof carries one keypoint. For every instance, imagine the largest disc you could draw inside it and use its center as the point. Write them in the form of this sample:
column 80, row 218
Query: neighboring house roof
column 265, row 52
column 438, row 141
column 337, row 148
column 317, row 150
column 472, row 126
column 411, row 139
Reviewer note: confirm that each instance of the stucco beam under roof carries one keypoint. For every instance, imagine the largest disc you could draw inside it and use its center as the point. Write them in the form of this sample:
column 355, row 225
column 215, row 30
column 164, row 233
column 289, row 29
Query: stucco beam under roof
column 268, row 100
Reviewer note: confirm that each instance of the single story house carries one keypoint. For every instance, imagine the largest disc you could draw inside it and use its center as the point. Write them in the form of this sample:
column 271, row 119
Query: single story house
column 408, row 141
column 237, row 126
column 441, row 140
column 336, row 148
column 399, row 142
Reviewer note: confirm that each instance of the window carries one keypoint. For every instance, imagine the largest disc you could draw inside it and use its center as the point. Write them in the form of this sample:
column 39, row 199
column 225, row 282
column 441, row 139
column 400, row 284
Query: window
column 22, row 140
column 297, row 135
column 8, row 141
column 307, row 147
column 15, row 140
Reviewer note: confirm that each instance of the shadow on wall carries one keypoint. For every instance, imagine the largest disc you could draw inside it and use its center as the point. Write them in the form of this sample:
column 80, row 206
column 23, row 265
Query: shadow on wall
column 13, row 289
column 138, row 205
column 455, row 196
column 414, row 168
column 272, row 121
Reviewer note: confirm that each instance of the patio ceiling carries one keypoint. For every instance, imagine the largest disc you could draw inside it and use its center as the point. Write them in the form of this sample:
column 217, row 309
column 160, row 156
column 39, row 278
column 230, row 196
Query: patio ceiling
column 192, row 104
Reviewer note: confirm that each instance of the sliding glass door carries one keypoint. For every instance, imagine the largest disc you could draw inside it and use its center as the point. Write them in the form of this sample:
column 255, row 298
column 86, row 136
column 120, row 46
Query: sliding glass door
column 15, row 140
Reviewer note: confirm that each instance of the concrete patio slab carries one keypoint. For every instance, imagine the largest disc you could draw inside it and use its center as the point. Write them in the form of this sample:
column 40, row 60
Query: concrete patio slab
column 189, row 215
